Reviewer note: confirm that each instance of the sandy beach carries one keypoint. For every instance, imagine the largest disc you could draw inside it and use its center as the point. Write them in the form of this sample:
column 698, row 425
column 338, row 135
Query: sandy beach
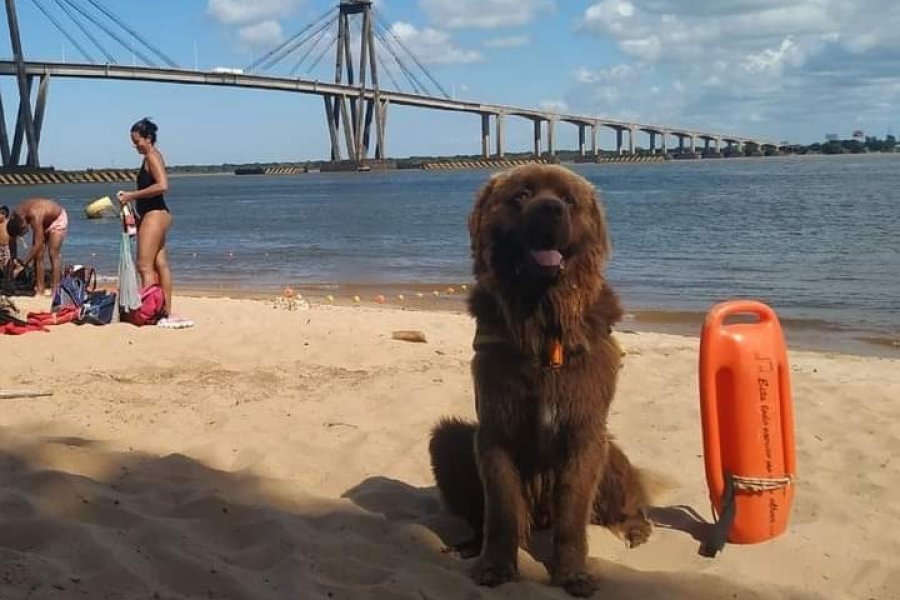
column 271, row 453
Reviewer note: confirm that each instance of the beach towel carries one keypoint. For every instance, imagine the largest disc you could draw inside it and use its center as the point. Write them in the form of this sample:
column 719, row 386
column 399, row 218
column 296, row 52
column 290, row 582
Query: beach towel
column 10, row 323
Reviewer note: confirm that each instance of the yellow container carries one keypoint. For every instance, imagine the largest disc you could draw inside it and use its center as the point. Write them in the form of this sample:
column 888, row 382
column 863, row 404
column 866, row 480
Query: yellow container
column 98, row 208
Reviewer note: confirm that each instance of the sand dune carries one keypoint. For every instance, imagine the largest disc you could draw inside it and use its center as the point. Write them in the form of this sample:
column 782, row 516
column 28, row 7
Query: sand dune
column 269, row 453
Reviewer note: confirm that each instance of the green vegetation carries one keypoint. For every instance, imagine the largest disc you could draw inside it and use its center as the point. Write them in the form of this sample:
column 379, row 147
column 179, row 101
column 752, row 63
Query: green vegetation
column 849, row 146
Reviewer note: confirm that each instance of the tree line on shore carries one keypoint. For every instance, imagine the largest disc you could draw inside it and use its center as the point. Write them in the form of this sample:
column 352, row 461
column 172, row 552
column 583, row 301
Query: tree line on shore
column 853, row 145
column 832, row 146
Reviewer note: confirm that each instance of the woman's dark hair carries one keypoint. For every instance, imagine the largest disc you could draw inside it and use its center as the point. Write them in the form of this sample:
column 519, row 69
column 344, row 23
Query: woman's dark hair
column 146, row 129
column 16, row 225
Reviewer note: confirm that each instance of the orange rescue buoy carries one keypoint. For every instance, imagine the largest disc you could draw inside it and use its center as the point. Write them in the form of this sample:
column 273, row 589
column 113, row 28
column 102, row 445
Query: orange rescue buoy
column 748, row 422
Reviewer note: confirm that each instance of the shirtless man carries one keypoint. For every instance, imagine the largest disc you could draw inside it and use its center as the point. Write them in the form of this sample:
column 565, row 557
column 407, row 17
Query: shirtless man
column 48, row 222
column 4, row 239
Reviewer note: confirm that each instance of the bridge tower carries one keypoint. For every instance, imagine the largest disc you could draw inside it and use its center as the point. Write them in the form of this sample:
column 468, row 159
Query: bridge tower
column 28, row 120
column 355, row 114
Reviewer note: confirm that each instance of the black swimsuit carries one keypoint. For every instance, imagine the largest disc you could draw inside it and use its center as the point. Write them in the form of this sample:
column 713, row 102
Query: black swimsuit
column 145, row 205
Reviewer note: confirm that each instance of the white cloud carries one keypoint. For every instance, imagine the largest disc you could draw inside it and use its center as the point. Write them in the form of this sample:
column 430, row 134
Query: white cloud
column 648, row 48
column 668, row 30
column 249, row 12
column 507, row 42
column 753, row 64
column 266, row 34
column 774, row 60
column 484, row 14
column 432, row 46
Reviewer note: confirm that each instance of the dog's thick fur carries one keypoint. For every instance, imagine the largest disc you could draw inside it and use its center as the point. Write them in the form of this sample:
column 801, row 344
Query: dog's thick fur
column 540, row 455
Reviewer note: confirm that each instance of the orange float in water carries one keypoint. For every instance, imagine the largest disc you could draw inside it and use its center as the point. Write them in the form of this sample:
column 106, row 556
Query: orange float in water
column 748, row 422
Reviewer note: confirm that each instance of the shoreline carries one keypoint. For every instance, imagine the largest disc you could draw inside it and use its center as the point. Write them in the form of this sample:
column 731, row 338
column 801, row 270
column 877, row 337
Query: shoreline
column 801, row 334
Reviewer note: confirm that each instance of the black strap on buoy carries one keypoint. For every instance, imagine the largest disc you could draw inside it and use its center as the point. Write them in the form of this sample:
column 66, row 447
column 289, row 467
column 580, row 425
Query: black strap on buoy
column 719, row 535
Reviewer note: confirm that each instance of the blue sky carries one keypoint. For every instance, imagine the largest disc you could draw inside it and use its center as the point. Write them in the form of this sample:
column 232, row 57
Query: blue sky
column 780, row 69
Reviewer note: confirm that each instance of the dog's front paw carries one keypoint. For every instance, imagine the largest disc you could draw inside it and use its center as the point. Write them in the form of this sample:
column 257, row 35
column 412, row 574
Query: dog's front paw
column 492, row 573
column 578, row 584
column 635, row 530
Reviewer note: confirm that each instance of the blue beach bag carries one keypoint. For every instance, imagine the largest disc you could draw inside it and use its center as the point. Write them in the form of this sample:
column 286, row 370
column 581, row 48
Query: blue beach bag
column 98, row 309
column 77, row 283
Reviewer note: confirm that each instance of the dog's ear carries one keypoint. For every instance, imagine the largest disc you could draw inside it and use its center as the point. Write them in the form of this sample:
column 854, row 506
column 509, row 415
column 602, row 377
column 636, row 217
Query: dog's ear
column 596, row 206
column 480, row 201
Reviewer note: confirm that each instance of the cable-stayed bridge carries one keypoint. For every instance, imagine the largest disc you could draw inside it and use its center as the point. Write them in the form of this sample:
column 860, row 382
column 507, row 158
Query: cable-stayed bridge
column 366, row 52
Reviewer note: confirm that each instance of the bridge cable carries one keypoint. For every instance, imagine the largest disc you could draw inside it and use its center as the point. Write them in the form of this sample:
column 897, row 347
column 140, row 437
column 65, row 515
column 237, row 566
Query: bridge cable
column 387, row 71
column 322, row 34
column 322, row 55
column 420, row 87
column 112, row 17
column 413, row 56
column 399, row 67
column 312, row 39
column 63, row 31
column 296, row 46
column 415, row 59
column 112, row 34
column 328, row 46
column 87, row 33
column 300, row 44
column 288, row 41
column 410, row 77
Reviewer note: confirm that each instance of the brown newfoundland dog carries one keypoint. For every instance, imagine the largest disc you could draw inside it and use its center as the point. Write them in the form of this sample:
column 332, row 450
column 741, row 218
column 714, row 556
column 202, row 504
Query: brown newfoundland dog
column 545, row 370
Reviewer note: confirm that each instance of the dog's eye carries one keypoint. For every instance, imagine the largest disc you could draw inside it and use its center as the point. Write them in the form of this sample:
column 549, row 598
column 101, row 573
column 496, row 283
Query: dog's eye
column 570, row 199
column 520, row 197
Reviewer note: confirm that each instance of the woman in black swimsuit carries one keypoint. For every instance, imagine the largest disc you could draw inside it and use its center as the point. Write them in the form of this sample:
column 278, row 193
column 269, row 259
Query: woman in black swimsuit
column 152, row 213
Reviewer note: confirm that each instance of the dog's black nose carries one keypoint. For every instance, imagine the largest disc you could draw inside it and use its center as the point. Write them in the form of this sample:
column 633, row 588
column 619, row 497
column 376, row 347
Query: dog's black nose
column 549, row 206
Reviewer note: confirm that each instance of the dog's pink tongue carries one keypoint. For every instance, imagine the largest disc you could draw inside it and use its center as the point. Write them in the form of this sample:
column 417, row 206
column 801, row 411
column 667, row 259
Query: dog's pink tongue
column 547, row 258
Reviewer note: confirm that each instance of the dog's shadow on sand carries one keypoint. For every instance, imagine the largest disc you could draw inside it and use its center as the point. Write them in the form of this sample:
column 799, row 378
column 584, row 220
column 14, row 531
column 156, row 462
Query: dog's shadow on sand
column 399, row 501
column 402, row 503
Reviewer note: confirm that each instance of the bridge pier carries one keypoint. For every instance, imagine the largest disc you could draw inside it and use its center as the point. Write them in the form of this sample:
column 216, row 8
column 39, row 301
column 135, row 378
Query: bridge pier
column 551, row 128
column 537, row 138
column 595, row 139
column 485, row 135
column 652, row 142
column 501, row 144
column 581, row 132
column 381, row 128
column 332, row 128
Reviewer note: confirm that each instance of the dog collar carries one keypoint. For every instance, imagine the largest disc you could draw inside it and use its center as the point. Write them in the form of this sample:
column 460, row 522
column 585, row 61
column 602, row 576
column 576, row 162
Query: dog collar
column 555, row 351
column 555, row 354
